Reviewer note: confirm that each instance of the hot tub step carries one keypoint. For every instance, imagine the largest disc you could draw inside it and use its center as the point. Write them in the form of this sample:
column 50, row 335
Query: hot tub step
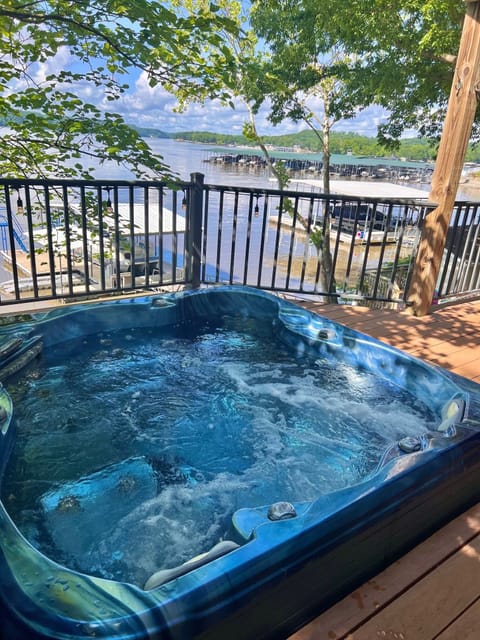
column 10, row 346
column 19, row 357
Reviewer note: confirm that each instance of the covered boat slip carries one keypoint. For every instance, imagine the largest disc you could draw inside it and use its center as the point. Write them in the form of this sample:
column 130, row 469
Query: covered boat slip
column 434, row 590
column 367, row 188
column 364, row 219
column 59, row 253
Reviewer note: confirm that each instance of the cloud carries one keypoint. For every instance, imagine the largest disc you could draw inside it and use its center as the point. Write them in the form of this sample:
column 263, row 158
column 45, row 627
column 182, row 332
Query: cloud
column 37, row 72
column 365, row 123
column 53, row 65
column 147, row 106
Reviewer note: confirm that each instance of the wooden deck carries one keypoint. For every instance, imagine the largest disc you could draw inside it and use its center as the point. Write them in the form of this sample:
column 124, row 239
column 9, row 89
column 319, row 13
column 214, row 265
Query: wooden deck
column 433, row 592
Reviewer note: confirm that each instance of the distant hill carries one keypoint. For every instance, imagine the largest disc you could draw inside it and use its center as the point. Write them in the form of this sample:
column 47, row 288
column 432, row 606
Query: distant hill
column 340, row 143
column 146, row 132
column 210, row 137
column 150, row 132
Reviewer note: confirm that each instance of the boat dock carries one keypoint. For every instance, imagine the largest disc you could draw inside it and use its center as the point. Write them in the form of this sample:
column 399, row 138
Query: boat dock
column 348, row 166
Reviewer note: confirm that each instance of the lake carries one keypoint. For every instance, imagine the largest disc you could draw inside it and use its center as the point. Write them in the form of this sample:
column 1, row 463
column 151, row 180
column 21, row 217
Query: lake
column 185, row 158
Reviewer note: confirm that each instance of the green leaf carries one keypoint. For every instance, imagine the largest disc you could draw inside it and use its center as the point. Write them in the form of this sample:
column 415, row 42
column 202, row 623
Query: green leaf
column 49, row 125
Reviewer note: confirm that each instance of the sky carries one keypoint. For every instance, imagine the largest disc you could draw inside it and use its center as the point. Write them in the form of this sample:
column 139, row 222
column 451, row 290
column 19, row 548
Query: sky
column 145, row 106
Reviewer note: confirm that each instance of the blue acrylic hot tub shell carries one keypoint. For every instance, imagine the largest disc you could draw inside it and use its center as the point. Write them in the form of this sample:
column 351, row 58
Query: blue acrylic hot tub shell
column 286, row 571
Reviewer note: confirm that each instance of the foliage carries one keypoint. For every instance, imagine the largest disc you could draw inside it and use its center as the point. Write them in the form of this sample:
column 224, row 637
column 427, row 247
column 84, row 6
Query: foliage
column 209, row 137
column 398, row 54
column 51, row 51
column 410, row 68
column 301, row 74
column 419, row 149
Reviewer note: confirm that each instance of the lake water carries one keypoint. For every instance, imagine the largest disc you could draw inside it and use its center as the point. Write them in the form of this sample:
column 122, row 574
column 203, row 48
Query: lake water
column 186, row 158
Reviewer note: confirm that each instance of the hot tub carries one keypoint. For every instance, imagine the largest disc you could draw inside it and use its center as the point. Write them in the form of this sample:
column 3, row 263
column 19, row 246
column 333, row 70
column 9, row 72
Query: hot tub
column 215, row 463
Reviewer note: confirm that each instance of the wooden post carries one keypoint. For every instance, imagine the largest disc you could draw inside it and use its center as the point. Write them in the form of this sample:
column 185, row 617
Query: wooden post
column 456, row 133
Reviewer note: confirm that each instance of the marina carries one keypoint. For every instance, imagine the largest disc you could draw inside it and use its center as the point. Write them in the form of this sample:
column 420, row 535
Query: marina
column 347, row 165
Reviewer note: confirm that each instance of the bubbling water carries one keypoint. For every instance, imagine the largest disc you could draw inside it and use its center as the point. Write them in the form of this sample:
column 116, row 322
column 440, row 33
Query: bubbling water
column 221, row 417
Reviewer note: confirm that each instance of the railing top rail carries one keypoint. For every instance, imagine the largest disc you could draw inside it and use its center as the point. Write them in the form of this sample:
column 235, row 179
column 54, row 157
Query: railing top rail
column 77, row 182
column 261, row 191
column 18, row 183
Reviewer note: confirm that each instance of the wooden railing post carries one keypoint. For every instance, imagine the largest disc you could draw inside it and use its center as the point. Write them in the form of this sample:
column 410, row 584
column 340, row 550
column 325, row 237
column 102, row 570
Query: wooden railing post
column 457, row 128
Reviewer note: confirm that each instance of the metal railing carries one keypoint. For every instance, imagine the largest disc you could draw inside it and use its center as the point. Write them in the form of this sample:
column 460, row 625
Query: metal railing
column 460, row 273
column 75, row 239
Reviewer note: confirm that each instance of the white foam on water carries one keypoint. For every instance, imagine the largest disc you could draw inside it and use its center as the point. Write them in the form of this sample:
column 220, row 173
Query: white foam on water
column 178, row 524
column 336, row 409
column 231, row 421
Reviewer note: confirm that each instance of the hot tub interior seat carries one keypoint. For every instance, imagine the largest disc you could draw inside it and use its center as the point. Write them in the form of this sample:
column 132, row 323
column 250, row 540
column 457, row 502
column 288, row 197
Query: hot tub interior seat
column 165, row 575
column 219, row 573
column 92, row 503
column 96, row 503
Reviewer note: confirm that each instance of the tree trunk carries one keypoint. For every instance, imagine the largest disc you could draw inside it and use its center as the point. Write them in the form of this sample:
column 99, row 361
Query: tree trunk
column 326, row 145
column 254, row 134
column 327, row 277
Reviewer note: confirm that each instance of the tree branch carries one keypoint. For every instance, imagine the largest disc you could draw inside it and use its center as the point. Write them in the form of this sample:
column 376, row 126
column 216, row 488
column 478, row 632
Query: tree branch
column 57, row 18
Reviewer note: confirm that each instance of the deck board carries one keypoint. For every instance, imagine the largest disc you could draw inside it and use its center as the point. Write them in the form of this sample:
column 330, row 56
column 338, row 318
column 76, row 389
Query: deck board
column 373, row 600
column 466, row 627
column 433, row 592
column 416, row 614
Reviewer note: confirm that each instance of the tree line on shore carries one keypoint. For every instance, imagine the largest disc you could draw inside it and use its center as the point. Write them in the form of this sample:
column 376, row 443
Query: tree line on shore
column 418, row 149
